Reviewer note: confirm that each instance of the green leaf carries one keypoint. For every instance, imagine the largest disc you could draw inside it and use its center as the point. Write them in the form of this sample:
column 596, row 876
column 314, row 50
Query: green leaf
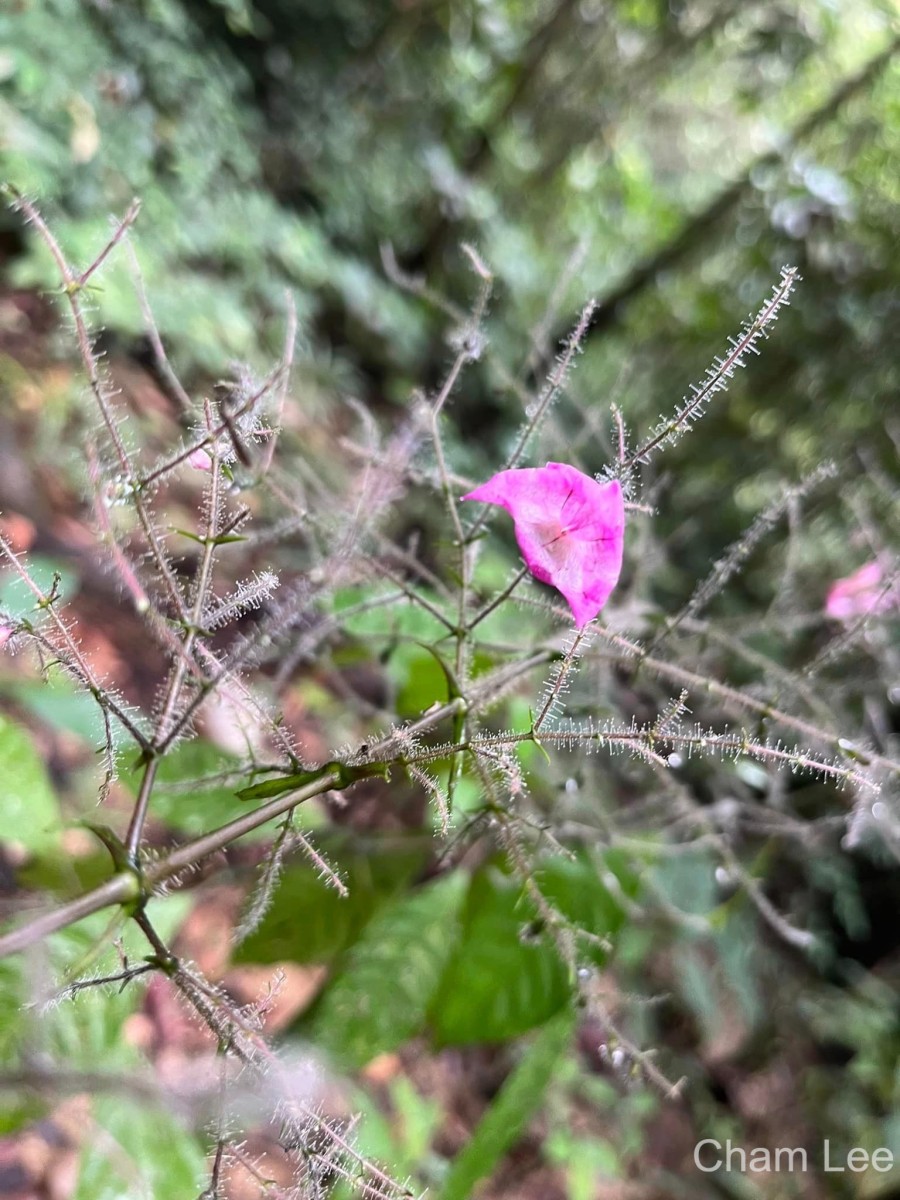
column 17, row 598
column 504, row 1121
column 21, row 1112
column 308, row 922
column 419, row 678
column 382, row 992
column 454, row 692
column 30, row 812
column 84, row 1033
column 145, row 1152
column 224, row 539
column 453, row 689
column 500, row 982
column 12, row 997
column 497, row 985
column 112, row 842
column 191, row 809
column 576, row 889
column 54, row 870
column 282, row 784
column 57, row 702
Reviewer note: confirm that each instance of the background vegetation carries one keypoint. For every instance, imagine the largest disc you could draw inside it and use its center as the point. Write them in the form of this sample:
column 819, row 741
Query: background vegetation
column 666, row 159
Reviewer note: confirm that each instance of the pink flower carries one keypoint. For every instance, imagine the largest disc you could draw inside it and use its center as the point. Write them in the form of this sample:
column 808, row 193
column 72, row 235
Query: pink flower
column 861, row 594
column 570, row 530
column 200, row 460
column 6, row 632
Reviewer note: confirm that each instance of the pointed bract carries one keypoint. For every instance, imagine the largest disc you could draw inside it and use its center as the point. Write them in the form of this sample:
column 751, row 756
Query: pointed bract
column 569, row 527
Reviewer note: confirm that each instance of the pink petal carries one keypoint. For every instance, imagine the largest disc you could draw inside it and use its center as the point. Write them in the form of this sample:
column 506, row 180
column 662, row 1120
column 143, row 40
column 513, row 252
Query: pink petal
column 200, row 460
column 569, row 527
column 6, row 632
column 860, row 594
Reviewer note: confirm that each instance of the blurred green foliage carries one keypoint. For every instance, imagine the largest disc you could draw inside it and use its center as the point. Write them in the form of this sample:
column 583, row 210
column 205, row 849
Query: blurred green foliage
column 309, row 922
column 679, row 152
column 30, row 814
column 50, row 1046
column 506, row 1118
column 666, row 158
